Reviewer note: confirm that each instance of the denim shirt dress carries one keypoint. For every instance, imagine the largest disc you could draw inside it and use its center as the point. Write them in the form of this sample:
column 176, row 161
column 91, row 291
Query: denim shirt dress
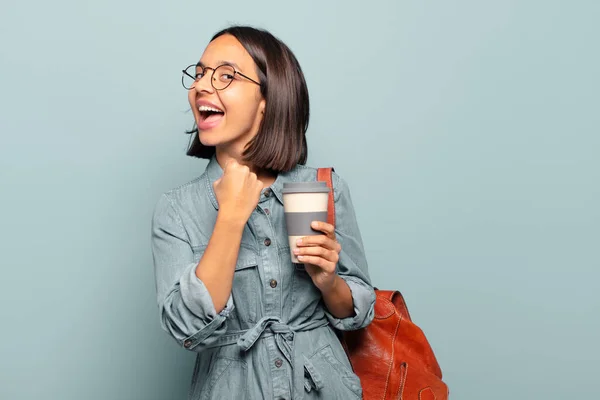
column 275, row 338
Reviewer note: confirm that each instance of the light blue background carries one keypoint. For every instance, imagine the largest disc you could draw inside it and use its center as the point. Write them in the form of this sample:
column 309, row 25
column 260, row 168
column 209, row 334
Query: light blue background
column 467, row 130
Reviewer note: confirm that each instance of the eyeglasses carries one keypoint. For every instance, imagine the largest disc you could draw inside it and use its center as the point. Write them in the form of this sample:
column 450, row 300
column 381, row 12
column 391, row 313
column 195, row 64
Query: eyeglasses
column 221, row 77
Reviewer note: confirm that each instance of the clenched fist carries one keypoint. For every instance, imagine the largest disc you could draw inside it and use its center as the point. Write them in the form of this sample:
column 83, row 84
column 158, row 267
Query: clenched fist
column 237, row 191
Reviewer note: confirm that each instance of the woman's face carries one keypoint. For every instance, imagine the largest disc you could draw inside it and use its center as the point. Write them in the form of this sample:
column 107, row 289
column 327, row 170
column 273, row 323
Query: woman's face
column 241, row 104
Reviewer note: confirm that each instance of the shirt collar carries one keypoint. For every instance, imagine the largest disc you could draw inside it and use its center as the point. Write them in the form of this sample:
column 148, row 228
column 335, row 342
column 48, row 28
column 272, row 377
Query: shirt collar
column 214, row 172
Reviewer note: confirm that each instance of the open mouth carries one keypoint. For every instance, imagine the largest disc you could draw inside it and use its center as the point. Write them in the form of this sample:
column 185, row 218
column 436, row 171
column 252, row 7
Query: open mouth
column 206, row 111
column 209, row 117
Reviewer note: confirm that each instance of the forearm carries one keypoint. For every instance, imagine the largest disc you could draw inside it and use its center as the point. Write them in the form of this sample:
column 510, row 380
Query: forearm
column 217, row 266
column 189, row 317
column 338, row 299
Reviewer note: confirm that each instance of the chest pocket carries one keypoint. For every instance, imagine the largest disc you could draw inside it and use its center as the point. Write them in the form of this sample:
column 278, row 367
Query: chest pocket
column 246, row 288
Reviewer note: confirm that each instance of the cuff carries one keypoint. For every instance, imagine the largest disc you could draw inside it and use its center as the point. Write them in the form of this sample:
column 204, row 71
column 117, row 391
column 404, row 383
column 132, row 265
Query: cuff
column 196, row 298
column 363, row 297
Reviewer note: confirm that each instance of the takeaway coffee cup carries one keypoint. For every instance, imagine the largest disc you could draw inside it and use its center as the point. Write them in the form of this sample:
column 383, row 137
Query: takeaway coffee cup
column 303, row 202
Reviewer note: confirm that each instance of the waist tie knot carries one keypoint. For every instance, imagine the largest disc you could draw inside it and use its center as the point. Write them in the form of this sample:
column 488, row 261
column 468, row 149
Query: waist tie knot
column 284, row 336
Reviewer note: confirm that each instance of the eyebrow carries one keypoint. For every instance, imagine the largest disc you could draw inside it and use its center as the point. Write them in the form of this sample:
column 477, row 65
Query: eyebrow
column 221, row 62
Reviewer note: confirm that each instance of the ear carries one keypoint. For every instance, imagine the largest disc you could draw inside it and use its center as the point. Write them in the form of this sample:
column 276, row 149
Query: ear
column 261, row 106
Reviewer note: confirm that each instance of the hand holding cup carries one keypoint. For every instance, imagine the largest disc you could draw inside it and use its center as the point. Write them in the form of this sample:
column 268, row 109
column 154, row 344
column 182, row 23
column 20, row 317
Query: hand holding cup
column 310, row 236
column 320, row 255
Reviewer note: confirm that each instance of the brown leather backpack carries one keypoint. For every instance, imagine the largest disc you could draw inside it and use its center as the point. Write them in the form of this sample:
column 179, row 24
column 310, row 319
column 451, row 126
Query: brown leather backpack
column 391, row 356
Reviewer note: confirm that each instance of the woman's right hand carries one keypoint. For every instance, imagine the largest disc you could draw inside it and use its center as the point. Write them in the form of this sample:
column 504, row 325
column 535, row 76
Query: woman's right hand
column 237, row 191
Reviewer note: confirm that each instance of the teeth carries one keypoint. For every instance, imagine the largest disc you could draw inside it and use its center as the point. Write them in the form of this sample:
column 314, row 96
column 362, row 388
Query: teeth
column 207, row 108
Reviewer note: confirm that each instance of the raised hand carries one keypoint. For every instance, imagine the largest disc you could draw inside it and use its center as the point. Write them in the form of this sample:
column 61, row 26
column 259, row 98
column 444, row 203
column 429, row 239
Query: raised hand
column 237, row 191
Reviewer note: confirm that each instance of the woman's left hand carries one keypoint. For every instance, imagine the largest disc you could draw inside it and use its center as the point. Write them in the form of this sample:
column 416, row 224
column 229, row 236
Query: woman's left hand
column 320, row 254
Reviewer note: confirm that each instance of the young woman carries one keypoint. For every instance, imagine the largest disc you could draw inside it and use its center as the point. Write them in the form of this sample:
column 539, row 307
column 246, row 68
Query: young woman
column 263, row 327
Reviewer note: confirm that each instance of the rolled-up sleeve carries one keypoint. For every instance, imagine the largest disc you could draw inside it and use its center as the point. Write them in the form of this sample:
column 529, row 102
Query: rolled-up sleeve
column 352, row 265
column 186, row 308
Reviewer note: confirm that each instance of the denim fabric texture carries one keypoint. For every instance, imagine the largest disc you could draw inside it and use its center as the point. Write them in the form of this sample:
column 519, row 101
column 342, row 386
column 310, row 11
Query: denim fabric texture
column 275, row 339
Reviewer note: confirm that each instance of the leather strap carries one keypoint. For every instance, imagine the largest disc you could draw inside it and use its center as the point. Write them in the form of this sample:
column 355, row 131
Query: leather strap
column 325, row 175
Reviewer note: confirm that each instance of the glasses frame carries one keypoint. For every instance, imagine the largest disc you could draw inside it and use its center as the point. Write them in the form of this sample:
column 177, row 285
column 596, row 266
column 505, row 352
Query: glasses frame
column 235, row 72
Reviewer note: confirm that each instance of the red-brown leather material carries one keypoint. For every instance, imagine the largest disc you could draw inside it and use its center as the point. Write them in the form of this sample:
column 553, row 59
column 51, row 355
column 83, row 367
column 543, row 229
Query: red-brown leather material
column 391, row 356
column 426, row 394
column 324, row 175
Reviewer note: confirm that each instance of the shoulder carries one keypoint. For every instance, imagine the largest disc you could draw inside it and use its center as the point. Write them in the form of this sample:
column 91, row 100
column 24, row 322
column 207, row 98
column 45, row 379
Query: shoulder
column 187, row 189
column 183, row 195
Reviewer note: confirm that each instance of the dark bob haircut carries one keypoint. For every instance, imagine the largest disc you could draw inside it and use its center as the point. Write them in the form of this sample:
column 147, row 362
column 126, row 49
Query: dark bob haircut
column 280, row 143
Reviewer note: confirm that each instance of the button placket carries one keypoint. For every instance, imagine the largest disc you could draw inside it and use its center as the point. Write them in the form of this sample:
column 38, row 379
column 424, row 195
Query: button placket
column 265, row 236
column 264, row 232
column 281, row 381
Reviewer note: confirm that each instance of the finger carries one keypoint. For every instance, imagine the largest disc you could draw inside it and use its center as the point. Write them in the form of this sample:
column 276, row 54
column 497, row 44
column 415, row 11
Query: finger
column 324, row 227
column 329, row 255
column 317, row 240
column 322, row 263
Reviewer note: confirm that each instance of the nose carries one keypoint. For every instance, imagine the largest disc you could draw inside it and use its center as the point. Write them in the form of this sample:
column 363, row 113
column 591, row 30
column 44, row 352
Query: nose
column 203, row 84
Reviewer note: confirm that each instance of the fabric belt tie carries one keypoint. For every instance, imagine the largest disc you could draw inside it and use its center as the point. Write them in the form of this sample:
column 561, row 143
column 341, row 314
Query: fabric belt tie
column 284, row 336
column 284, row 339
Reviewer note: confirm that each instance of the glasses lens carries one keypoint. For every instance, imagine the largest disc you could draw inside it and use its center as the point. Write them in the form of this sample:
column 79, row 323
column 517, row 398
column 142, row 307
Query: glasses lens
column 187, row 80
column 223, row 77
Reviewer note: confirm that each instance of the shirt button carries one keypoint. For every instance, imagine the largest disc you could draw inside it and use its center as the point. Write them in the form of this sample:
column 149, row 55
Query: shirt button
column 267, row 242
column 267, row 211
column 267, row 192
column 187, row 344
column 278, row 363
column 273, row 283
